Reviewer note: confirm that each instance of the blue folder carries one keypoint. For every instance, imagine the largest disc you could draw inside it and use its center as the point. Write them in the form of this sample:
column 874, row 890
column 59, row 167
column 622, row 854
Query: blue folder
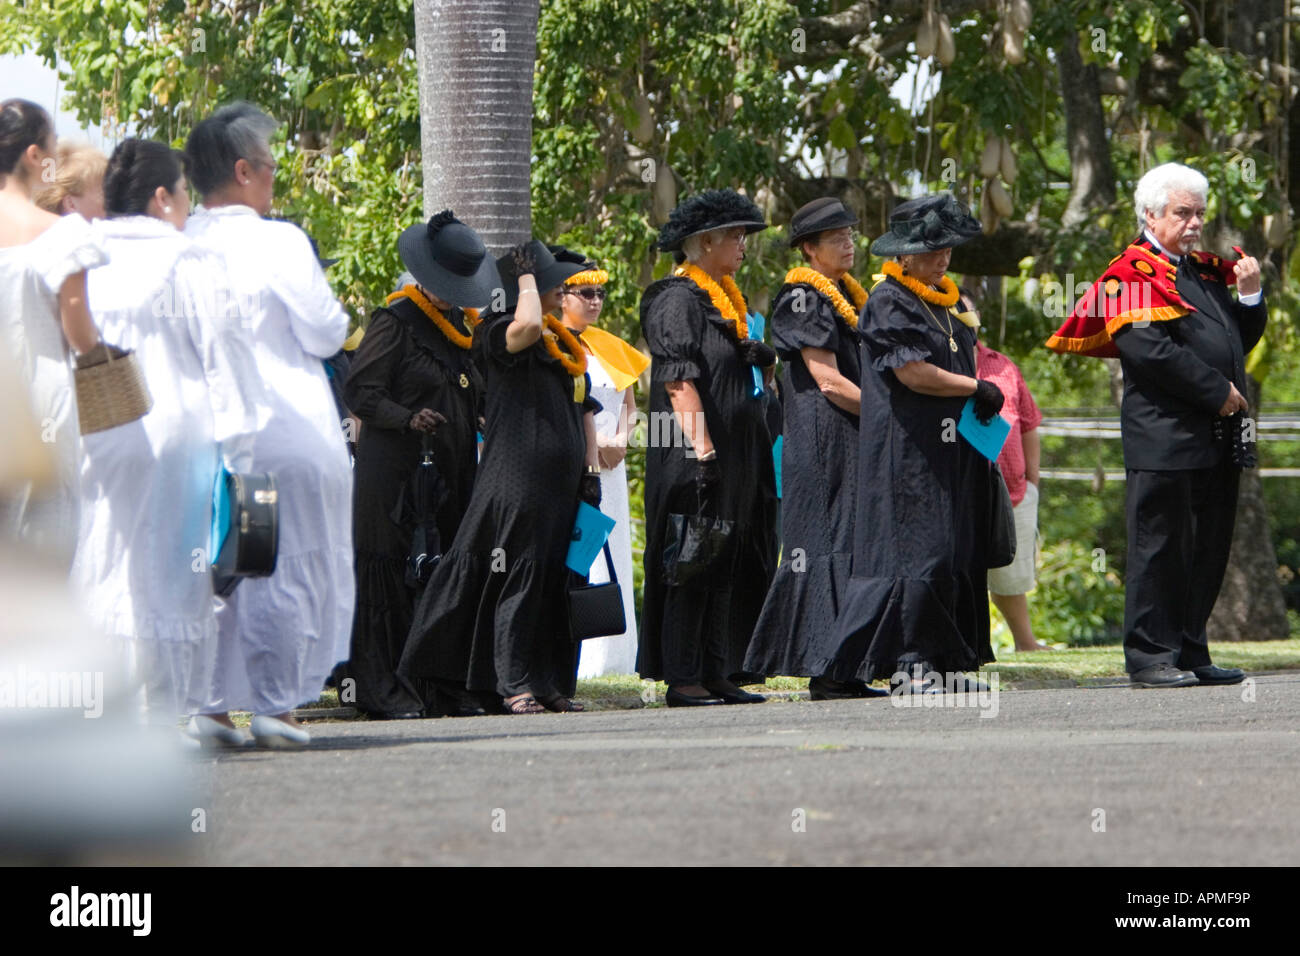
column 220, row 515
column 590, row 531
column 757, row 326
column 986, row 439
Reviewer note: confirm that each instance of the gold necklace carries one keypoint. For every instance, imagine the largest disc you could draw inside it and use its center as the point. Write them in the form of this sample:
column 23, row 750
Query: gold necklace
column 952, row 342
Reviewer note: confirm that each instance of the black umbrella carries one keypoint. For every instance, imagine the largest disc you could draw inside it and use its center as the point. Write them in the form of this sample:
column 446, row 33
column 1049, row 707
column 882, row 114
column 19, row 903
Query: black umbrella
column 421, row 501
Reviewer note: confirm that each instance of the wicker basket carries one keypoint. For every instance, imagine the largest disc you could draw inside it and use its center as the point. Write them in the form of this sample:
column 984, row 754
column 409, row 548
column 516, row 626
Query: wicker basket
column 111, row 393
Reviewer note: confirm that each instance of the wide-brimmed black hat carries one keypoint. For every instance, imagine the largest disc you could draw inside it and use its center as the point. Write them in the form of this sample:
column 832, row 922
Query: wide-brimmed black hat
column 449, row 259
column 550, row 272
column 927, row 224
column 819, row 216
column 709, row 210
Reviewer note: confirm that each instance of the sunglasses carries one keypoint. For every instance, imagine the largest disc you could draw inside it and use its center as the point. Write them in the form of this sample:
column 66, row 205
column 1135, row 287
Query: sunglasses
column 591, row 295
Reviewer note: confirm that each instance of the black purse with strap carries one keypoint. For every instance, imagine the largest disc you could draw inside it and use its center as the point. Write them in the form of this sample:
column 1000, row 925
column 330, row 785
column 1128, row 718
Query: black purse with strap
column 596, row 610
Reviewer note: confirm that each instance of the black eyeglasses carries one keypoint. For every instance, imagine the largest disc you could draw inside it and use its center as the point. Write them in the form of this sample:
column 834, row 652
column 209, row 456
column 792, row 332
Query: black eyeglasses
column 591, row 295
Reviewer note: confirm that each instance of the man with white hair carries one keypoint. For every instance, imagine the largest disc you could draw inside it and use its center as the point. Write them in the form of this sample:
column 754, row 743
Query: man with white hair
column 1164, row 309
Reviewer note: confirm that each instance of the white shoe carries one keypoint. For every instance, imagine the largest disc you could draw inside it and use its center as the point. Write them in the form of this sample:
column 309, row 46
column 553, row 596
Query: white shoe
column 212, row 733
column 277, row 735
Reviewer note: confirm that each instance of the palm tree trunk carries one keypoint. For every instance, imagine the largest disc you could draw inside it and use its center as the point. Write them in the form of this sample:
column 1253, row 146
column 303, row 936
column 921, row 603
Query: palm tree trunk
column 475, row 62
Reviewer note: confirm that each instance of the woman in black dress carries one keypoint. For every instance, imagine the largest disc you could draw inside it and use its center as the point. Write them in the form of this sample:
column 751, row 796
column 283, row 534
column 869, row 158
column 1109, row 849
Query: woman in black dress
column 814, row 328
column 717, row 459
column 413, row 386
column 917, row 602
column 494, row 616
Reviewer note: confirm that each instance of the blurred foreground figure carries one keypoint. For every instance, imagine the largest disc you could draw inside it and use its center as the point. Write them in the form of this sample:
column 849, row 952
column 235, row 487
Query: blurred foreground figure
column 80, row 780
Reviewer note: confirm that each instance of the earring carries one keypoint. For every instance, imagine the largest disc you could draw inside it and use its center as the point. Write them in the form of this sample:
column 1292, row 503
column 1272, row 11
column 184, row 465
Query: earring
column 167, row 210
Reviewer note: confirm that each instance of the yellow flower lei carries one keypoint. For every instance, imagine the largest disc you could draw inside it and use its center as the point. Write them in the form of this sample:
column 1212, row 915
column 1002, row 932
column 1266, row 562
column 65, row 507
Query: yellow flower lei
column 730, row 303
column 453, row 335
column 574, row 366
column 826, row 287
column 947, row 297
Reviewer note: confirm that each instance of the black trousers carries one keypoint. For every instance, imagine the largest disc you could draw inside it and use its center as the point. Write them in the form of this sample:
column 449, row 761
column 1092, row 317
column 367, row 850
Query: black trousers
column 1179, row 532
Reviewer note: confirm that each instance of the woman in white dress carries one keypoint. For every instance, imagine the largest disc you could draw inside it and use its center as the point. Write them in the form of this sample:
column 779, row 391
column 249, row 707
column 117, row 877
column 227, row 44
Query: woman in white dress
column 280, row 636
column 43, row 262
column 146, row 486
column 613, row 375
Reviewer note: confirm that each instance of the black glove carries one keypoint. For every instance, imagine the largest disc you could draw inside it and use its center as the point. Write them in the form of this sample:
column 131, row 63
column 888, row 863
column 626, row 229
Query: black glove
column 524, row 259
column 708, row 475
column 589, row 490
column 988, row 400
column 753, row 352
column 426, row 420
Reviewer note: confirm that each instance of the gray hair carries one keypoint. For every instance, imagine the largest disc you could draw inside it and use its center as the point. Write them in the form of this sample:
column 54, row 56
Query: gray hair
column 1153, row 189
column 693, row 246
column 234, row 132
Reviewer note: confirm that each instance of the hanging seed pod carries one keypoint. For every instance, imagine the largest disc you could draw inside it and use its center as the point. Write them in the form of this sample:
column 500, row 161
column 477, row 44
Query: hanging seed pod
column 1000, row 199
column 645, row 119
column 925, row 37
column 1277, row 228
column 947, row 48
column 664, row 197
column 1007, row 164
column 1013, row 45
column 991, row 157
column 988, row 215
column 1022, row 14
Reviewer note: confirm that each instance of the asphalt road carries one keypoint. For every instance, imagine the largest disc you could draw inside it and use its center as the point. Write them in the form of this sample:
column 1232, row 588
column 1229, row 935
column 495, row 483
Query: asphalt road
column 1071, row 777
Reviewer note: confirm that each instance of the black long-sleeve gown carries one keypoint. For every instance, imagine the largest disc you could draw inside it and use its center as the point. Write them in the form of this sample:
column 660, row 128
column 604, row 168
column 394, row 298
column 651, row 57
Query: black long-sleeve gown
column 687, row 634
column 404, row 364
column 494, row 616
column 796, row 630
column 917, row 596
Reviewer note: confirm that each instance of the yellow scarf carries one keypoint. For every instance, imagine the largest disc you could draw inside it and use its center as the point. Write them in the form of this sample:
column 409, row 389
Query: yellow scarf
column 730, row 303
column 623, row 363
column 453, row 335
column 806, row 276
column 947, row 295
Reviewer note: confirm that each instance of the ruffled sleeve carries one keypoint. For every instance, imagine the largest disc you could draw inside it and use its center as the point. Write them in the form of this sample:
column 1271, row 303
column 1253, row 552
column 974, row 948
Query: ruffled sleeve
column 674, row 326
column 892, row 333
column 802, row 318
column 69, row 246
column 589, row 404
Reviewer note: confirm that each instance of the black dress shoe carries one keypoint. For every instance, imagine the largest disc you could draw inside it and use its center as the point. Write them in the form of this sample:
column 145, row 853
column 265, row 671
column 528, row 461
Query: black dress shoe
column 1162, row 675
column 678, row 699
column 821, row 688
column 734, row 695
column 1209, row 674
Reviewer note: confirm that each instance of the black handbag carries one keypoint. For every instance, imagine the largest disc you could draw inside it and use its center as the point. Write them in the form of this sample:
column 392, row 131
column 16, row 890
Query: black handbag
column 698, row 551
column 596, row 610
column 1002, row 522
column 251, row 518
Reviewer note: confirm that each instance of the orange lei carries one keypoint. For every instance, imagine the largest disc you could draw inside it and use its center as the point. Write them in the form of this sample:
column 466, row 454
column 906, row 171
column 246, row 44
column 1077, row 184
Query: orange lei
column 559, row 334
column 730, row 303
column 453, row 335
column 947, row 297
column 804, row 275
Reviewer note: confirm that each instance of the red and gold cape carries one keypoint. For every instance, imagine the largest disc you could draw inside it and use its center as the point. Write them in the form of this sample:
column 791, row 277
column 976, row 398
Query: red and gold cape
column 1137, row 286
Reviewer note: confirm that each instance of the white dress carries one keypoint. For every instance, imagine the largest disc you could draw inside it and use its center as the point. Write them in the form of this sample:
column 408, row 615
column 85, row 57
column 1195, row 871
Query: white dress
column 280, row 636
column 31, row 276
column 146, row 509
column 617, row 654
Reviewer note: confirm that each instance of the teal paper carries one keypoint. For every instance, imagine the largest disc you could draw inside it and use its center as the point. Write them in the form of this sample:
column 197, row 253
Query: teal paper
column 986, row 439
column 220, row 514
column 757, row 326
column 590, row 531
column 776, row 461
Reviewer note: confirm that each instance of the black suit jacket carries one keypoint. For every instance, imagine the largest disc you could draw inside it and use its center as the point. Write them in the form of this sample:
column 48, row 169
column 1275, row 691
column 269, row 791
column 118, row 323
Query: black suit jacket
column 1176, row 374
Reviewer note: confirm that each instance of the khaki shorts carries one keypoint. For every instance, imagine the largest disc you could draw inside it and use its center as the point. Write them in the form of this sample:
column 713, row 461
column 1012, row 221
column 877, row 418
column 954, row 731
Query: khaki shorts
column 1018, row 576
